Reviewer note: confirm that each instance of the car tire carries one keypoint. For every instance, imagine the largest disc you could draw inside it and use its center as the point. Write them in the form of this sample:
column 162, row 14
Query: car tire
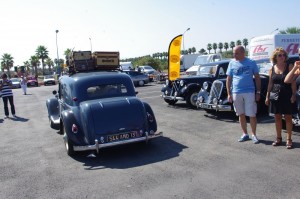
column 141, row 83
column 191, row 99
column 36, row 84
column 171, row 102
column 68, row 144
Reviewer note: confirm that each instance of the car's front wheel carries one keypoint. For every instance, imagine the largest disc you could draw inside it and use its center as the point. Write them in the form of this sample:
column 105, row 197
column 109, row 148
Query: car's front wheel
column 191, row 99
column 141, row 83
column 68, row 144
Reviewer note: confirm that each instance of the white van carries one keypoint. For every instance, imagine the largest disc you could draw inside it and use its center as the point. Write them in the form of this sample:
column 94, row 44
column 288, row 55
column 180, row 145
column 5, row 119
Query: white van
column 126, row 65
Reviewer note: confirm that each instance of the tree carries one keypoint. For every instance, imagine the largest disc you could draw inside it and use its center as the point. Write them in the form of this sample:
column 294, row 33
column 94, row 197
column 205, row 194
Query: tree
column 27, row 66
column 215, row 46
column 209, row 47
column 232, row 45
column 226, row 46
column 35, row 62
column 42, row 53
column 49, row 63
column 238, row 42
column 202, row 51
column 7, row 61
column 245, row 43
column 67, row 53
column 290, row 30
column 194, row 50
column 220, row 46
column 190, row 51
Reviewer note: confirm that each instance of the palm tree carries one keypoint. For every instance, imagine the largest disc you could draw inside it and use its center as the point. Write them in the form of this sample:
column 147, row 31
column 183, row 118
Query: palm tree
column 67, row 53
column 193, row 50
column 49, row 63
column 35, row 62
column 220, row 46
column 232, row 45
column 7, row 61
column 42, row 53
column 245, row 43
column 238, row 42
column 215, row 46
column 202, row 51
column 27, row 66
column 226, row 46
column 209, row 47
column 290, row 30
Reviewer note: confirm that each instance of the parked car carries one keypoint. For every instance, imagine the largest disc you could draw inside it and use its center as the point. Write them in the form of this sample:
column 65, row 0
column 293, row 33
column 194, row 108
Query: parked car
column 99, row 109
column 49, row 79
column 139, row 79
column 148, row 70
column 186, row 88
column 213, row 97
column 32, row 81
column 15, row 82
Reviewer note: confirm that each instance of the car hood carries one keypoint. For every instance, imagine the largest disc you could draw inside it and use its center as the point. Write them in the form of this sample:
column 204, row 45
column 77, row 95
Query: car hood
column 113, row 115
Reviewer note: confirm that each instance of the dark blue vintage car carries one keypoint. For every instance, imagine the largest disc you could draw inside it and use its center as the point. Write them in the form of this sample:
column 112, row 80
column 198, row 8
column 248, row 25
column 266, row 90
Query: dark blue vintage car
column 186, row 88
column 98, row 109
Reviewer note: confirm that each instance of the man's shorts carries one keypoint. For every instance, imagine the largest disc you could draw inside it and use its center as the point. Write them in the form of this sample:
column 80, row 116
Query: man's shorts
column 244, row 103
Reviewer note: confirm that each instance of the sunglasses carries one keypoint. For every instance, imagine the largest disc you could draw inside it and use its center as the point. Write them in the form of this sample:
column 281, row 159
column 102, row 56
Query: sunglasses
column 281, row 55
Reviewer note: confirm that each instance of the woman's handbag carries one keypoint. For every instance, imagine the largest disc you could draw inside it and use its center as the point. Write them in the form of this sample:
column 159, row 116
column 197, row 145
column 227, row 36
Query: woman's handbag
column 274, row 94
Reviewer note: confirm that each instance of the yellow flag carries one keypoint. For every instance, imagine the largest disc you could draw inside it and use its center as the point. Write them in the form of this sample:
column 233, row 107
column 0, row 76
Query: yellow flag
column 174, row 58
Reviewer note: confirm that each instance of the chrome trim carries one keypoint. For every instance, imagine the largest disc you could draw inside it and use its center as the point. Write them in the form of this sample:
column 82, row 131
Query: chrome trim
column 98, row 146
column 172, row 97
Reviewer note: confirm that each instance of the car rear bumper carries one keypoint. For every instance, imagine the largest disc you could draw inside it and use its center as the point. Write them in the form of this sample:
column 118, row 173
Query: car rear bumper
column 98, row 145
column 217, row 107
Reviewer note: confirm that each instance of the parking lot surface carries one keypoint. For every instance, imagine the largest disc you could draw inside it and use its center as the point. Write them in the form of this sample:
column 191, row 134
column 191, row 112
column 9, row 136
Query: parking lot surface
column 198, row 157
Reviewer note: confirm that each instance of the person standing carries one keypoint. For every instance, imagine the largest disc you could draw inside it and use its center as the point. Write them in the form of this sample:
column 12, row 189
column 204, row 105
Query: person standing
column 7, row 95
column 241, row 90
column 23, row 83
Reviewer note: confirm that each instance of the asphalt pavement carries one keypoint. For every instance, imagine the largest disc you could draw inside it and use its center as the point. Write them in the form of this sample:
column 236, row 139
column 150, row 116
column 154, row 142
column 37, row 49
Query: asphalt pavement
column 198, row 157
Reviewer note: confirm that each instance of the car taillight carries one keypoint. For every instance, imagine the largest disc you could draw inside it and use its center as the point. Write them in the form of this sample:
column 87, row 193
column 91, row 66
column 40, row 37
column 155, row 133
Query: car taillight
column 74, row 128
column 150, row 117
column 75, row 99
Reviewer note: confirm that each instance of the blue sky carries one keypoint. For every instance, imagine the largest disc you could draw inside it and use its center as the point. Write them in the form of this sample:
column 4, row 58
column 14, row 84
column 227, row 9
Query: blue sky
column 135, row 27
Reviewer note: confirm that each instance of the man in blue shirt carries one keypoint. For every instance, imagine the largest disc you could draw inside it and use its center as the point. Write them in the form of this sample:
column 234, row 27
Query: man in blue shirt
column 241, row 90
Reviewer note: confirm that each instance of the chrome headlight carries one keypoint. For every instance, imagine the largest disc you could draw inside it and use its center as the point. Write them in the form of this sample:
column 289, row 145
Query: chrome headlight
column 181, row 82
column 205, row 86
column 215, row 101
column 167, row 82
column 200, row 99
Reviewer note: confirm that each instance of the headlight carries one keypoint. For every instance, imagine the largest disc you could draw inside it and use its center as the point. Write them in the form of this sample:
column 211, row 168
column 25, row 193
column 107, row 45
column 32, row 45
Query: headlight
column 167, row 82
column 181, row 83
column 215, row 101
column 205, row 85
column 200, row 99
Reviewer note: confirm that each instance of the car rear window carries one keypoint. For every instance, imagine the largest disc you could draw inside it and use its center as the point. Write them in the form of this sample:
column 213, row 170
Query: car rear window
column 106, row 91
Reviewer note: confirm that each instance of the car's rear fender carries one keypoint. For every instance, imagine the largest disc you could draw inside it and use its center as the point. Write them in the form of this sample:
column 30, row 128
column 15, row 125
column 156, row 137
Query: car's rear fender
column 150, row 118
column 53, row 112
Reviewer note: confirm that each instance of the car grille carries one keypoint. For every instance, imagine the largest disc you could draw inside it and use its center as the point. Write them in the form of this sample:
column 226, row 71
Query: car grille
column 216, row 90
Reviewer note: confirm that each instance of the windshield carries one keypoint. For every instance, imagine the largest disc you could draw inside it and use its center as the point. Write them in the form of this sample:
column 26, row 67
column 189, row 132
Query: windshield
column 148, row 67
column 49, row 77
column 207, row 70
column 14, row 80
column 264, row 67
column 201, row 60
column 106, row 90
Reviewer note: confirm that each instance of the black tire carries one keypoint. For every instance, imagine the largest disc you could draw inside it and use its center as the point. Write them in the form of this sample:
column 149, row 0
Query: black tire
column 191, row 99
column 68, row 144
column 36, row 84
column 141, row 83
column 171, row 102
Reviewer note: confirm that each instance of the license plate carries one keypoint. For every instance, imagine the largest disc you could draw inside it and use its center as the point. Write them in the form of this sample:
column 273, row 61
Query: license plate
column 122, row 136
column 207, row 106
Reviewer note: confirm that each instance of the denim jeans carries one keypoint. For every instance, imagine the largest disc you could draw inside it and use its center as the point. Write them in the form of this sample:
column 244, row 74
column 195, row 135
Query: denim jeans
column 11, row 102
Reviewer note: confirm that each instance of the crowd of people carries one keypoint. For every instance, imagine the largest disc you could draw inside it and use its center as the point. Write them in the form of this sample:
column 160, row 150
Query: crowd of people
column 280, row 97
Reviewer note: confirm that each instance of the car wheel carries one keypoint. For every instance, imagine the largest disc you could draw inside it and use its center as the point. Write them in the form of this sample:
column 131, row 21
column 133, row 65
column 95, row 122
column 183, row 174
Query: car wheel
column 191, row 99
column 141, row 83
column 68, row 144
column 170, row 102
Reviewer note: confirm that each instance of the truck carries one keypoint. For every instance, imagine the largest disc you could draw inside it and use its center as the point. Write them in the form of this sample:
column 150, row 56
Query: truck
column 186, row 61
column 126, row 65
column 263, row 46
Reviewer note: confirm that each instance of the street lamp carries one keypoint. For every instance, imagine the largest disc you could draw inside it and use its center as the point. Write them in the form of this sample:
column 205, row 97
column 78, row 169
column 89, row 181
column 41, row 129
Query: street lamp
column 91, row 44
column 57, row 63
column 274, row 30
column 183, row 37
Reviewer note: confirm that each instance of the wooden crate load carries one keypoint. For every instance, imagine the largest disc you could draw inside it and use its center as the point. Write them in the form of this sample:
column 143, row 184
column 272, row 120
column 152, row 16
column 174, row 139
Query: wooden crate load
column 87, row 61
column 107, row 60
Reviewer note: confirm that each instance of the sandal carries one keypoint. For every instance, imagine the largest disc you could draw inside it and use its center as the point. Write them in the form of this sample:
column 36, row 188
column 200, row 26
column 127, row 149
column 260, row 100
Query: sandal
column 289, row 144
column 277, row 142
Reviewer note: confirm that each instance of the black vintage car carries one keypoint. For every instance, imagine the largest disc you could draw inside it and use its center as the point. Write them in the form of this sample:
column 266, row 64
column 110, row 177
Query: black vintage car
column 98, row 108
column 186, row 88
column 213, row 97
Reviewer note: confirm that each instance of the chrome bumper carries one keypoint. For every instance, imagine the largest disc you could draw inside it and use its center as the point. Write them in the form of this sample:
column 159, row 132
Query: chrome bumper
column 172, row 97
column 217, row 107
column 98, row 145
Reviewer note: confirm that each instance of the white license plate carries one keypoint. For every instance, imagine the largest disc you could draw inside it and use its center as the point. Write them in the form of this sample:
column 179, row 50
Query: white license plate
column 206, row 106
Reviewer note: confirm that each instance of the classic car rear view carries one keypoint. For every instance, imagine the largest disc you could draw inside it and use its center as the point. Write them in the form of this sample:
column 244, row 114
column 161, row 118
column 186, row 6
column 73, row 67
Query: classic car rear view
column 98, row 108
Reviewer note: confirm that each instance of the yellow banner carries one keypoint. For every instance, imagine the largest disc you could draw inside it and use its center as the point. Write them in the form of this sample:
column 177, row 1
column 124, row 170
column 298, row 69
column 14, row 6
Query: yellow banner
column 174, row 58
